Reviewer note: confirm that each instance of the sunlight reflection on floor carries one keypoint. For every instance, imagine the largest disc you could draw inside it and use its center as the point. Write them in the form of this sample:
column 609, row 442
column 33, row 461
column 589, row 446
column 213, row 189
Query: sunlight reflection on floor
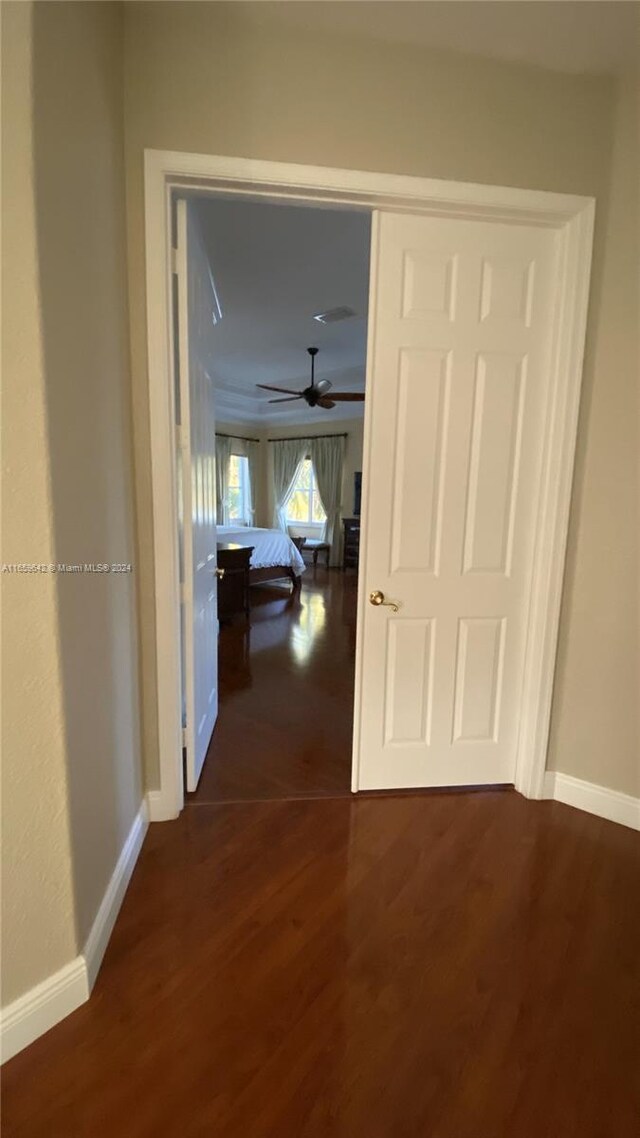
column 310, row 623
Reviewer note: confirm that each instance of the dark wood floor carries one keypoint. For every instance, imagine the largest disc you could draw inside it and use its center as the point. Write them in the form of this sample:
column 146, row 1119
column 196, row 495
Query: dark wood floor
column 317, row 966
column 440, row 966
column 285, row 723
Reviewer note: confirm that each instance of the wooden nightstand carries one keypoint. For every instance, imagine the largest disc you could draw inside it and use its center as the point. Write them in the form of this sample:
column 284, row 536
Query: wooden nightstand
column 351, row 543
column 233, row 588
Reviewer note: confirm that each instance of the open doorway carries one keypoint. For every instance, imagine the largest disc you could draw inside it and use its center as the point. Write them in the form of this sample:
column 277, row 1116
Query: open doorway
column 286, row 356
column 474, row 353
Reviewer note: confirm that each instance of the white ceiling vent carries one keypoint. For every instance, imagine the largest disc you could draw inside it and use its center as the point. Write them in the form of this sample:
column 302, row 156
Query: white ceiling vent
column 332, row 315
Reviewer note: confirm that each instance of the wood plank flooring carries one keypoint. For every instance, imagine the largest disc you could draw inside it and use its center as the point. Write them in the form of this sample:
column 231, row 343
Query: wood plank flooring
column 285, row 723
column 446, row 966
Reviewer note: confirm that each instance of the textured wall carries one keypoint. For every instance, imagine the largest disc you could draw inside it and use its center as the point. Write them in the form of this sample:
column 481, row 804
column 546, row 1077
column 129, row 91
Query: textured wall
column 79, row 164
column 38, row 933
column 70, row 667
column 595, row 734
column 221, row 79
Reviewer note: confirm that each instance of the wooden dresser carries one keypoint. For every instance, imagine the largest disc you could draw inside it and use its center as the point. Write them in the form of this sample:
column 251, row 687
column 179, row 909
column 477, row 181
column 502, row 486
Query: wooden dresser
column 233, row 588
column 351, row 543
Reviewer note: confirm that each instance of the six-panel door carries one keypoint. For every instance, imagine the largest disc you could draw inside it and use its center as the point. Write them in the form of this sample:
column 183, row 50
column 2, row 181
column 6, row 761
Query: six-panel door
column 461, row 318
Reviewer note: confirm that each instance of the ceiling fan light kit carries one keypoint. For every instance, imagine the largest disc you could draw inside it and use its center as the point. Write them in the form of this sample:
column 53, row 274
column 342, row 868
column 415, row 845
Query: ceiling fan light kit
column 316, row 394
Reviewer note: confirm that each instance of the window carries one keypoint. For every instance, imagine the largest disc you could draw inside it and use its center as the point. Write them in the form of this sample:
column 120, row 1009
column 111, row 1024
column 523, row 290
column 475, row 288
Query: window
column 238, row 495
column 304, row 507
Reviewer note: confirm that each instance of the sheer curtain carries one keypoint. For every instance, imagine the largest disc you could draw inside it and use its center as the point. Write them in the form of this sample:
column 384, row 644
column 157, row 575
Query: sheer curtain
column 223, row 454
column 252, row 451
column 327, row 456
column 286, row 454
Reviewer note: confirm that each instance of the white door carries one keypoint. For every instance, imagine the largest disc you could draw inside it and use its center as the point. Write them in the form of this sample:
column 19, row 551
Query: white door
column 198, row 313
column 461, row 316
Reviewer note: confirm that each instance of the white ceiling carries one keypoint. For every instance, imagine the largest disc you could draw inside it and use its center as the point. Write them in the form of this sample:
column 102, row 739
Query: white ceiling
column 580, row 36
column 274, row 266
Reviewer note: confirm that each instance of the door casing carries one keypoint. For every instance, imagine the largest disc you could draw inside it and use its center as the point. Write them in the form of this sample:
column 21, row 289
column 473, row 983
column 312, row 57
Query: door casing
column 572, row 216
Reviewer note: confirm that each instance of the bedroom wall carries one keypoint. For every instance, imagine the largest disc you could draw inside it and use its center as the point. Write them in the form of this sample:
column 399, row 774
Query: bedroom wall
column 224, row 79
column 353, row 428
column 244, row 429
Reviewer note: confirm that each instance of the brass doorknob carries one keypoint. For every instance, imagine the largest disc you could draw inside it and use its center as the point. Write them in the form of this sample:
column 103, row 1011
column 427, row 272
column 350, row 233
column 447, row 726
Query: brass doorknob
column 377, row 598
column 219, row 573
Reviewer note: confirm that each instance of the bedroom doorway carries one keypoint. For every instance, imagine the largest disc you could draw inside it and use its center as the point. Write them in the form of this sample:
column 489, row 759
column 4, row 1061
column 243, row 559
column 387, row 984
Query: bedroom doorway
column 475, row 341
column 281, row 313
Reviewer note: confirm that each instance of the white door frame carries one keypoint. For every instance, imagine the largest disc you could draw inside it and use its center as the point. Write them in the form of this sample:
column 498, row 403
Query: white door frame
column 571, row 216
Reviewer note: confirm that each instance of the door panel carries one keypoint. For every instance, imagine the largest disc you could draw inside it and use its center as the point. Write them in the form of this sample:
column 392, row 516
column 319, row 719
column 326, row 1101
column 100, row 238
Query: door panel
column 198, row 314
column 494, row 463
column 461, row 316
column 422, row 406
column 480, row 652
column 409, row 681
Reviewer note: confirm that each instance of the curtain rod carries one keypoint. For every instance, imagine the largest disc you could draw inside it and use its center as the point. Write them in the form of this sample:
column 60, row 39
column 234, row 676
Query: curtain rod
column 308, row 438
column 240, row 438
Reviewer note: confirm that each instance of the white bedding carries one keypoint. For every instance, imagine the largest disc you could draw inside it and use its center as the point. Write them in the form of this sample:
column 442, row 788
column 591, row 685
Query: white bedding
column 270, row 546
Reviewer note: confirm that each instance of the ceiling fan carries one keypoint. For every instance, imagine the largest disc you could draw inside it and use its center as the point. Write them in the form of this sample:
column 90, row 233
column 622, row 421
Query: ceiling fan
column 316, row 394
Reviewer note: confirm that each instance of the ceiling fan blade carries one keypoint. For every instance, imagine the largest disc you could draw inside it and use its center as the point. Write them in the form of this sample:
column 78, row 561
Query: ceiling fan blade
column 287, row 399
column 326, row 403
column 284, row 390
column 348, row 396
column 323, row 386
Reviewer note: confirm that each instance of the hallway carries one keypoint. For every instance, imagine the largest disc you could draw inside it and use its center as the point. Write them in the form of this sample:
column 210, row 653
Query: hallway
column 285, row 722
column 294, row 962
column 445, row 965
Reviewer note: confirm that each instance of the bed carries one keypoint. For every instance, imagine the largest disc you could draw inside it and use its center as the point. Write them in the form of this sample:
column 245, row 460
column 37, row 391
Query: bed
column 274, row 553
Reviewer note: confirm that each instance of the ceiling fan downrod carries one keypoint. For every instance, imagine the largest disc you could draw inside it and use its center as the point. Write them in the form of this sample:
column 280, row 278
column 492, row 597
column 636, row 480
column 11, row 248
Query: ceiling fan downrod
column 313, row 353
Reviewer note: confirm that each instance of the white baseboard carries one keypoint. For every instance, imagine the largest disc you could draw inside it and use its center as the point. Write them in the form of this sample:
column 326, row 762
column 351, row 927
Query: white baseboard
column 609, row 804
column 160, row 810
column 43, row 1006
column 105, row 918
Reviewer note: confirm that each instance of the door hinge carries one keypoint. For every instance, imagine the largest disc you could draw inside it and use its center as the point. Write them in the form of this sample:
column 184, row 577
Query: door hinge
column 174, row 260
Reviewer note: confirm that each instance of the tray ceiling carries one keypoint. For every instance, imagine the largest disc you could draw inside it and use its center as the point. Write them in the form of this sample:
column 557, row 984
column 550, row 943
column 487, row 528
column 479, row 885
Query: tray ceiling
column 274, row 267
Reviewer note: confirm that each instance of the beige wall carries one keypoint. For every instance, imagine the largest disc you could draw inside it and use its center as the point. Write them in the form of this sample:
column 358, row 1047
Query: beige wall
column 594, row 731
column 260, row 491
column 79, row 157
column 72, row 745
column 38, row 933
column 215, row 78
column 353, row 428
